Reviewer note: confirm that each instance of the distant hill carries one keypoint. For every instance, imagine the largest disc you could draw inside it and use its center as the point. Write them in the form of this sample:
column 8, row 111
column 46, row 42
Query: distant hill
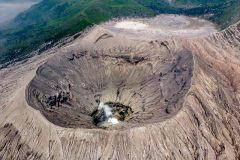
column 17, row 1
column 51, row 20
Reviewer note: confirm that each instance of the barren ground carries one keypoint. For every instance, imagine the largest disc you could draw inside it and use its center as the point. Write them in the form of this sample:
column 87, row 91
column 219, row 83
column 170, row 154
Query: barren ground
column 161, row 26
column 184, row 91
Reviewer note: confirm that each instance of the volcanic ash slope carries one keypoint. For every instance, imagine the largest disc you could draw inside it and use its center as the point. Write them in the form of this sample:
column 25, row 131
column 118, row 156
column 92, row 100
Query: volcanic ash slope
column 181, row 92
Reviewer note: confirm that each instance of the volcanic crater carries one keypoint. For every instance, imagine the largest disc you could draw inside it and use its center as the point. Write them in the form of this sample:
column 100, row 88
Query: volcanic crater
column 68, row 89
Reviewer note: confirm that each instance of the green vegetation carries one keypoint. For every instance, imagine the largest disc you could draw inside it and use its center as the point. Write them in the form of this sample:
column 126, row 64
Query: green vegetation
column 224, row 12
column 52, row 20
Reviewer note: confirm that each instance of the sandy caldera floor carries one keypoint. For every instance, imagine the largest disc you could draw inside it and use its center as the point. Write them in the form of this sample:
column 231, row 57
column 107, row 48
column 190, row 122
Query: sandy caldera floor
column 161, row 26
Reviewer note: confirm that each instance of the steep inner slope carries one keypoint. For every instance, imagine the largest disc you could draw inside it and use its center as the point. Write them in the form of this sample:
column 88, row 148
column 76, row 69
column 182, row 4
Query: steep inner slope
column 68, row 89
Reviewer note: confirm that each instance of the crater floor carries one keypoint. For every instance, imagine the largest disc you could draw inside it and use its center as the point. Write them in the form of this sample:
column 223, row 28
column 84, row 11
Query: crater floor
column 162, row 25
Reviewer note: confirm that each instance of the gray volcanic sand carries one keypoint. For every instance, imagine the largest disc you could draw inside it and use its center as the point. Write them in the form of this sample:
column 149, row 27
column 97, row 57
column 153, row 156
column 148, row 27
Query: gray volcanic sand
column 184, row 92
column 161, row 26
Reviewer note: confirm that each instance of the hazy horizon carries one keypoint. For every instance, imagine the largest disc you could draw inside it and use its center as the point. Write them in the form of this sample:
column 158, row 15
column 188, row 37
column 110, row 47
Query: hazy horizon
column 9, row 9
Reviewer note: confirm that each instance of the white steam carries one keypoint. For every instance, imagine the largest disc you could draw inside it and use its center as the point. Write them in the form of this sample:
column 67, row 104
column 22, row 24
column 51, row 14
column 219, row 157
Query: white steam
column 108, row 112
